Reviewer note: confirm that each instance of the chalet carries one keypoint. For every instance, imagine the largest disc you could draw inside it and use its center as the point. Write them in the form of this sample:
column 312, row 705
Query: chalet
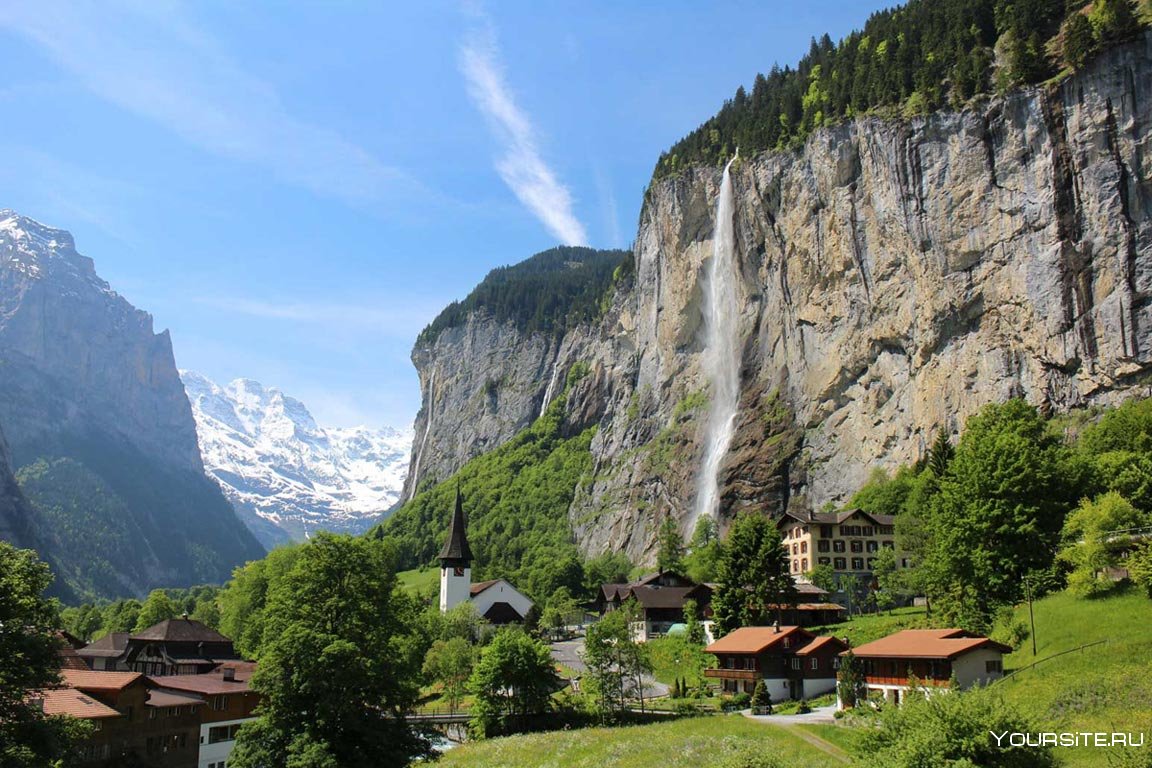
column 106, row 654
column 181, row 646
column 496, row 600
column 933, row 656
column 227, row 702
column 792, row 662
column 133, row 725
column 660, row 598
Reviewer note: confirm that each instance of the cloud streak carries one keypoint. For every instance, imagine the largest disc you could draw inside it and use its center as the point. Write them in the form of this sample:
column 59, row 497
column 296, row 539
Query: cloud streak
column 520, row 166
column 151, row 59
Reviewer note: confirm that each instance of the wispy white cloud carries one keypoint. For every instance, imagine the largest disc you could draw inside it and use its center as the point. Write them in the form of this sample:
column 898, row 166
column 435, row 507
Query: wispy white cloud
column 396, row 318
column 150, row 58
column 520, row 166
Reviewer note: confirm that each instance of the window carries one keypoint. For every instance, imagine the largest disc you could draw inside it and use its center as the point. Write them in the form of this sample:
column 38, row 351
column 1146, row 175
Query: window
column 795, row 548
column 803, row 547
column 219, row 733
column 837, row 546
column 787, row 642
column 815, row 663
column 871, row 563
column 173, row 711
column 867, row 530
column 795, row 662
column 857, row 563
column 823, row 546
column 824, row 560
column 749, row 663
column 219, row 703
column 873, row 546
column 152, row 713
column 795, row 566
column 841, row 564
column 804, row 564
column 887, row 545
column 994, row 666
column 826, row 531
column 857, row 546
column 729, row 662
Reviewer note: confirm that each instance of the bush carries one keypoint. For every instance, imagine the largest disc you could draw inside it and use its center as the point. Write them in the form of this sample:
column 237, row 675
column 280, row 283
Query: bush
column 803, row 708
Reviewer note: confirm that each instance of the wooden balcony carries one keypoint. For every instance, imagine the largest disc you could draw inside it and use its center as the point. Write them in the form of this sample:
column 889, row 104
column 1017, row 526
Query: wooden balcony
column 901, row 680
column 733, row 674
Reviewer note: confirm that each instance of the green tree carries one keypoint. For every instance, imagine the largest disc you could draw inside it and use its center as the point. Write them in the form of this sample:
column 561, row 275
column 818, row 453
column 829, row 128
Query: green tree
column 940, row 731
column 207, row 612
column 671, row 554
column 157, row 607
column 514, row 679
column 702, row 562
column 244, row 599
column 337, row 672
column 884, row 495
column 606, row 568
column 1078, row 41
column 1140, row 566
column 121, row 616
column 850, row 686
column 28, row 662
column 998, row 513
column 824, row 577
column 450, row 663
column 694, row 628
column 889, row 587
column 616, row 662
column 1093, row 540
column 754, row 574
column 83, row 621
column 1113, row 20
column 560, row 609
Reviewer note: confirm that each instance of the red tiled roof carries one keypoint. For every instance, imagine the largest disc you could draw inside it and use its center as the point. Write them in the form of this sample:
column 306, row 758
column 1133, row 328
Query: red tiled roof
column 69, row 701
column 822, row 643
column 927, row 644
column 69, row 659
column 754, row 639
column 90, row 680
column 212, row 682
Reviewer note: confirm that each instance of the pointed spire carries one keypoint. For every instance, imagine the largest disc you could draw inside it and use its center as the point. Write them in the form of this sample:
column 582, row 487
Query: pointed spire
column 456, row 548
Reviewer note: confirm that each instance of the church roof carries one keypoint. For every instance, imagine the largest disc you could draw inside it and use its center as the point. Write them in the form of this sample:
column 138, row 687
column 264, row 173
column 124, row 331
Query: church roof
column 456, row 547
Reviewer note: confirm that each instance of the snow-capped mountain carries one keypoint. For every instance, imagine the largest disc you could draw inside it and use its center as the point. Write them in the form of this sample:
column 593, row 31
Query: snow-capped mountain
column 286, row 475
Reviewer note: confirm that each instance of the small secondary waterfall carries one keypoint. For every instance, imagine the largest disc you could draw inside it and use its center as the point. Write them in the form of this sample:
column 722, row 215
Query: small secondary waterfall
column 424, row 438
column 721, row 357
column 551, row 390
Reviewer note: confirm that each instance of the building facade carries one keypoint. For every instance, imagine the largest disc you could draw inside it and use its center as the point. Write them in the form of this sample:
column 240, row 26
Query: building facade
column 792, row 662
column 228, row 702
column 660, row 599
column 934, row 657
column 848, row 541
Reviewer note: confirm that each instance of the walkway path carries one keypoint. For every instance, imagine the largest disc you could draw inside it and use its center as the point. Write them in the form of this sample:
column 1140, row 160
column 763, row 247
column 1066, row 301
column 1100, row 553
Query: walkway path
column 820, row 715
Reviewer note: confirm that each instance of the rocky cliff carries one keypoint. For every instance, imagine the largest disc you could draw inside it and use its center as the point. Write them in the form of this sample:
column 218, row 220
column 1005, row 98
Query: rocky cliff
column 101, row 432
column 894, row 276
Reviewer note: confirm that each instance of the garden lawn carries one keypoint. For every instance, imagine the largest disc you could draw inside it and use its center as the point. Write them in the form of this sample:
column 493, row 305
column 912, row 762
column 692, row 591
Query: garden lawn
column 418, row 581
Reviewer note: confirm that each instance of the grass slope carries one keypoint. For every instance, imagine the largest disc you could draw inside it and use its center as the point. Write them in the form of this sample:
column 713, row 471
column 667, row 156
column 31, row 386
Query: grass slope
column 420, row 581
column 873, row 626
column 701, row 742
column 1106, row 687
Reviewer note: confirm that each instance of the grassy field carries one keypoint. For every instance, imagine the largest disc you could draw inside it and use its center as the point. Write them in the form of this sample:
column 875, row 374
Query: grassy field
column 701, row 742
column 420, row 582
column 1107, row 687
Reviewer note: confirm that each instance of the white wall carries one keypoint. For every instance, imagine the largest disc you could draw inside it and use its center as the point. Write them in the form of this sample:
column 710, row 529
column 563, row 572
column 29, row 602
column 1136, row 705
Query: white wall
column 454, row 589
column 220, row 751
column 969, row 669
column 502, row 592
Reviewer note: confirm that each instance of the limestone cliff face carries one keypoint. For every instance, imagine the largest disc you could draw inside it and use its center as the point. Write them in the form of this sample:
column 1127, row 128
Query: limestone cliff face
column 895, row 276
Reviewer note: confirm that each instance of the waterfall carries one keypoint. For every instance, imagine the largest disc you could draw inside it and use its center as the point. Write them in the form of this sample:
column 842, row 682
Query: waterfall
column 550, row 391
column 722, row 352
column 424, row 438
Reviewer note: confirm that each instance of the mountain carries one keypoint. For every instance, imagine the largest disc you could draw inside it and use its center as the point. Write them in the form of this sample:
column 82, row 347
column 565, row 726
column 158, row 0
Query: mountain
column 285, row 475
column 102, row 438
column 892, row 275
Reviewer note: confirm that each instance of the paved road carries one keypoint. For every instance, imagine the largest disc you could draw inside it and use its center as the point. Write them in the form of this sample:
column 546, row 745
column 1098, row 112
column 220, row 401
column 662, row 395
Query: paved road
column 817, row 715
column 570, row 653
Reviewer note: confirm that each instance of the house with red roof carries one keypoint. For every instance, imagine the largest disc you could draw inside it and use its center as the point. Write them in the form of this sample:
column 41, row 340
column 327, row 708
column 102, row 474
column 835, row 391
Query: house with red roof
column 934, row 657
column 793, row 662
column 227, row 700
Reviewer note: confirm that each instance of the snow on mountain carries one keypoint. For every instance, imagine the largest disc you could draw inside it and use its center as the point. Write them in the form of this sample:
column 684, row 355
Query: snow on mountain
column 286, row 475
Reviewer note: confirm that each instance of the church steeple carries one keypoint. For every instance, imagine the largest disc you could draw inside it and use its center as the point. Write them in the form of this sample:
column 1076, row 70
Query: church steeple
column 456, row 561
column 456, row 550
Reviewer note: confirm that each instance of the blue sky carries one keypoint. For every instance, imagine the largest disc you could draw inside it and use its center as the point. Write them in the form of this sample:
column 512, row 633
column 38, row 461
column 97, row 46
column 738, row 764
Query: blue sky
column 296, row 189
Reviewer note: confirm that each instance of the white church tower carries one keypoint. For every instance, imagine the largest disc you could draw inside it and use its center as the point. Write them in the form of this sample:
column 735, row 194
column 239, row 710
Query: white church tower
column 455, row 562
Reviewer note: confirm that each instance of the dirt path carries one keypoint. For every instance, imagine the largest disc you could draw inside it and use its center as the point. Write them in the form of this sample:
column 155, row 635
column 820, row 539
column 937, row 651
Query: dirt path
column 791, row 726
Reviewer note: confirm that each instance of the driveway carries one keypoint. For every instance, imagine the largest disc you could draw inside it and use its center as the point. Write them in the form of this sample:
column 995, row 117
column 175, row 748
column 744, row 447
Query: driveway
column 570, row 653
column 817, row 715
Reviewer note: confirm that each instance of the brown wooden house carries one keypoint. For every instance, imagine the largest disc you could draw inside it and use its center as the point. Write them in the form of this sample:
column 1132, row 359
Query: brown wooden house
column 792, row 662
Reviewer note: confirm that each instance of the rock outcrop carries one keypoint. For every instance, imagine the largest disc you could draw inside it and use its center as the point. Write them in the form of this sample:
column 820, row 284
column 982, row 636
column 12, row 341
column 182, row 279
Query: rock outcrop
column 895, row 276
column 101, row 432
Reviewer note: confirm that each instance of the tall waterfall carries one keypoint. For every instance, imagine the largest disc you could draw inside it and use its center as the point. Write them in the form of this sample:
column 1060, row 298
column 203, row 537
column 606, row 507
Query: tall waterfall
column 419, row 455
column 551, row 385
column 721, row 357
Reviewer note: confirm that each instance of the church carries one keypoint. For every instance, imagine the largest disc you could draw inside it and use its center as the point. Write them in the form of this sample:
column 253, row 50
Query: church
column 495, row 600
